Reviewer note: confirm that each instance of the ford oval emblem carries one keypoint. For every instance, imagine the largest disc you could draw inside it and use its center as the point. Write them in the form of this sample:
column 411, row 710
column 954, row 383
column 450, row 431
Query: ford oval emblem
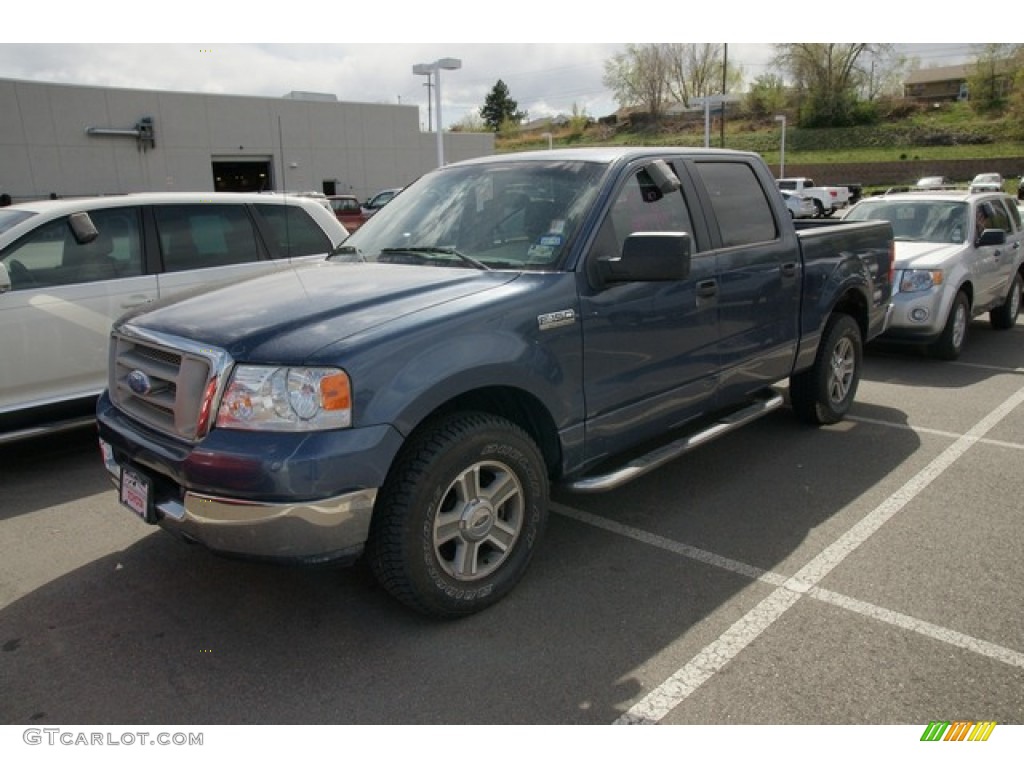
column 139, row 383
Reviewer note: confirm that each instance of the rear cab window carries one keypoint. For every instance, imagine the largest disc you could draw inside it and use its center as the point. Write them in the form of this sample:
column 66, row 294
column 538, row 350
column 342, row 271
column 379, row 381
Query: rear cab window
column 739, row 202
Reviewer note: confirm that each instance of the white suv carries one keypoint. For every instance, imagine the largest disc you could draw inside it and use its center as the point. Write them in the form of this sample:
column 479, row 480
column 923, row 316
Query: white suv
column 68, row 268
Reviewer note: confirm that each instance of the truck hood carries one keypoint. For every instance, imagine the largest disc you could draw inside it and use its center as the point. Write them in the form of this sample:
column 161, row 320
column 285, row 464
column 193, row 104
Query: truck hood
column 913, row 255
column 307, row 307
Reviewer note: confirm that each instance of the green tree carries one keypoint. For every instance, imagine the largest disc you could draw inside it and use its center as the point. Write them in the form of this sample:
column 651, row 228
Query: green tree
column 991, row 78
column 765, row 97
column 639, row 78
column 499, row 110
column 828, row 78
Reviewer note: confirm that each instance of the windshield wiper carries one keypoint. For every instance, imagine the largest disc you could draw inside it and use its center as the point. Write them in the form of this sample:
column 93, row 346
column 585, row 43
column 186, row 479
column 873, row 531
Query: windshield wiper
column 433, row 249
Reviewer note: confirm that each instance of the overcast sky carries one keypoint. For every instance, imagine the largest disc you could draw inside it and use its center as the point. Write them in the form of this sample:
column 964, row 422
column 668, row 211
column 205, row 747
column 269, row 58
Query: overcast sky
column 546, row 77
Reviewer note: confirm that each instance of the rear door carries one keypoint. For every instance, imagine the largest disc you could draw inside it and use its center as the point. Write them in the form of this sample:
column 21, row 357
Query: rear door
column 206, row 244
column 758, row 275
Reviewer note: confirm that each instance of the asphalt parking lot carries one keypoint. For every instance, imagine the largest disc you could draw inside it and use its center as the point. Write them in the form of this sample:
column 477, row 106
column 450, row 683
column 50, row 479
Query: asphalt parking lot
column 864, row 573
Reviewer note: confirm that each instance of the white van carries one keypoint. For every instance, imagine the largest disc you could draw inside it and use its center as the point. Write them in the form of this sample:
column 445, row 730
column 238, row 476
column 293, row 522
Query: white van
column 68, row 268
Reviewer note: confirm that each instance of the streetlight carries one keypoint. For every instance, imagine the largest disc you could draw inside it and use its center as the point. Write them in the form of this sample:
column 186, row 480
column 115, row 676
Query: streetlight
column 782, row 152
column 434, row 68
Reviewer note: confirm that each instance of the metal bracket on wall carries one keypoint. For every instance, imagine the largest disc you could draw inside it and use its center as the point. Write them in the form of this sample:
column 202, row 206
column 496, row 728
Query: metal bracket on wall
column 143, row 132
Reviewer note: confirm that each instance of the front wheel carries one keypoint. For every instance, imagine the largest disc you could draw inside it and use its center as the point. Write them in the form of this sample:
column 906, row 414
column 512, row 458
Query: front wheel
column 459, row 516
column 951, row 343
column 1005, row 317
column 824, row 393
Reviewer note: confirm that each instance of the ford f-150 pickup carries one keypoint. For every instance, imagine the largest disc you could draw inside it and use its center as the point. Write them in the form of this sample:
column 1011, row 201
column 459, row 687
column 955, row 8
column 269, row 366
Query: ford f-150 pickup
column 572, row 317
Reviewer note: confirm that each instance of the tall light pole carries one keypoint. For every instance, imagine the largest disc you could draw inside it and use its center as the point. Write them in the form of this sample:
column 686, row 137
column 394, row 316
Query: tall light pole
column 782, row 151
column 434, row 68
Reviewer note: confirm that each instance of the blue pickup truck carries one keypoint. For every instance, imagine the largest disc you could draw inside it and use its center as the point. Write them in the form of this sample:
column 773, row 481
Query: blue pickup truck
column 575, row 317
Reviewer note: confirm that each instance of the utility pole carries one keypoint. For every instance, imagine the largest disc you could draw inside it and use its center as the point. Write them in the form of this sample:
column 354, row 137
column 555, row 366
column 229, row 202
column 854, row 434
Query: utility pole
column 725, row 78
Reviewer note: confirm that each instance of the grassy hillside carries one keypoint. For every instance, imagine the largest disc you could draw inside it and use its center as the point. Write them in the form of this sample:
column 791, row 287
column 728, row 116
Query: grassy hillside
column 950, row 132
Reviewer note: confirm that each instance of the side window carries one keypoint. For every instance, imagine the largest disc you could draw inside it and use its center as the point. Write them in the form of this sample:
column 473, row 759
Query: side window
column 743, row 212
column 1000, row 218
column 640, row 207
column 294, row 231
column 50, row 256
column 204, row 235
column 1014, row 214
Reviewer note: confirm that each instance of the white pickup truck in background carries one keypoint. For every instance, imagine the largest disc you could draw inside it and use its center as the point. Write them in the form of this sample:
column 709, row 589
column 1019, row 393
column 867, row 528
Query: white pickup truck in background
column 827, row 200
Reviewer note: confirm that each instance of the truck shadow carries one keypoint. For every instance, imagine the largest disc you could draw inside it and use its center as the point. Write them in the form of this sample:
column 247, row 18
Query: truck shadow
column 161, row 632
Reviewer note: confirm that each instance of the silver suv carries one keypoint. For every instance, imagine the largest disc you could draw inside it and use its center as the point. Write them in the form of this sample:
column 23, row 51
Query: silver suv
column 958, row 255
column 68, row 268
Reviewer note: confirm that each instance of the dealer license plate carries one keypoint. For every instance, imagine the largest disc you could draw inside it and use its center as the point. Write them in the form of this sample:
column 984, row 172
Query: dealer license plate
column 136, row 493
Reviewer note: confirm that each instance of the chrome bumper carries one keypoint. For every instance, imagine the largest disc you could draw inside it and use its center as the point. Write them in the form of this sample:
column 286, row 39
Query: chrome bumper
column 310, row 531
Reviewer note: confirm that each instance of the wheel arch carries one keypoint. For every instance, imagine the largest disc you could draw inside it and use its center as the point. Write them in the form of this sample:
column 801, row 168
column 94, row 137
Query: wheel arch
column 520, row 407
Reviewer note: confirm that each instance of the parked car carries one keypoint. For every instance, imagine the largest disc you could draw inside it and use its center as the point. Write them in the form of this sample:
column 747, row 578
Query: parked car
column 958, row 255
column 348, row 211
column 68, row 268
column 987, row 182
column 799, row 207
column 827, row 200
column 1020, row 188
column 934, row 182
column 503, row 324
column 378, row 201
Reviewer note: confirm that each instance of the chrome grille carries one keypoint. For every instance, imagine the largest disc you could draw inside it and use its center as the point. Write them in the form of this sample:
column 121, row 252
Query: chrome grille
column 164, row 382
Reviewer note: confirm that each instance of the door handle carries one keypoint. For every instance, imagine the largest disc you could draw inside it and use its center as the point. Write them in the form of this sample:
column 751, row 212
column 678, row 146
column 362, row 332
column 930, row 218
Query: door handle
column 707, row 288
column 789, row 269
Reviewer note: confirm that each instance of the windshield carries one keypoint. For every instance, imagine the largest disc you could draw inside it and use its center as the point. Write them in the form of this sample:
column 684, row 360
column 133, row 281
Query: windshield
column 8, row 218
column 500, row 215
column 929, row 221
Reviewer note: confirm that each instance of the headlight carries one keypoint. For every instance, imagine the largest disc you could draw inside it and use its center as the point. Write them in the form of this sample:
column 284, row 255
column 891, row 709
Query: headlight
column 915, row 280
column 286, row 399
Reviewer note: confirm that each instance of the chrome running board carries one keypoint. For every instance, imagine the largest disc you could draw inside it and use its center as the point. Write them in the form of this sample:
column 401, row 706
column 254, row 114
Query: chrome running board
column 766, row 402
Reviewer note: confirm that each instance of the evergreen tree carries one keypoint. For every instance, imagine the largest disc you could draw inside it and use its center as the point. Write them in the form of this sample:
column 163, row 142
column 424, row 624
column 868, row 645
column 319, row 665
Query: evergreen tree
column 499, row 108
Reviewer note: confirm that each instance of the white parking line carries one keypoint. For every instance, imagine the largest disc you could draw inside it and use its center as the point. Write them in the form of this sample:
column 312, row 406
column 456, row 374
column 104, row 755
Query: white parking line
column 653, row 707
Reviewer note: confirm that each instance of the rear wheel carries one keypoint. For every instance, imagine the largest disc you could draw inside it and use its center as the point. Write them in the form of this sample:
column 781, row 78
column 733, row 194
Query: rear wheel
column 819, row 209
column 824, row 393
column 951, row 343
column 1005, row 317
column 460, row 515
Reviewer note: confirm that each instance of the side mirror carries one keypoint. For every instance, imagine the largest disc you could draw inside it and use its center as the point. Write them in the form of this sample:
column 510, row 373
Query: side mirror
column 82, row 228
column 5, row 278
column 992, row 237
column 649, row 257
column 663, row 177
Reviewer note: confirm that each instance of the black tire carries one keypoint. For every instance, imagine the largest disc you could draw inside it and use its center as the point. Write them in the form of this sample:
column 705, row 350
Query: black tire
column 954, row 335
column 824, row 393
column 819, row 209
column 459, row 516
column 1005, row 317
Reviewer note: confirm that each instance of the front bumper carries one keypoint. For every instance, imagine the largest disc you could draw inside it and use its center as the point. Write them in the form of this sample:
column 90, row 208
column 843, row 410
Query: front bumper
column 919, row 316
column 300, row 498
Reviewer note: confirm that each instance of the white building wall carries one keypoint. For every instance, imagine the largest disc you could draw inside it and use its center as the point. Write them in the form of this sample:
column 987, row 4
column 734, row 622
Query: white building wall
column 44, row 146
